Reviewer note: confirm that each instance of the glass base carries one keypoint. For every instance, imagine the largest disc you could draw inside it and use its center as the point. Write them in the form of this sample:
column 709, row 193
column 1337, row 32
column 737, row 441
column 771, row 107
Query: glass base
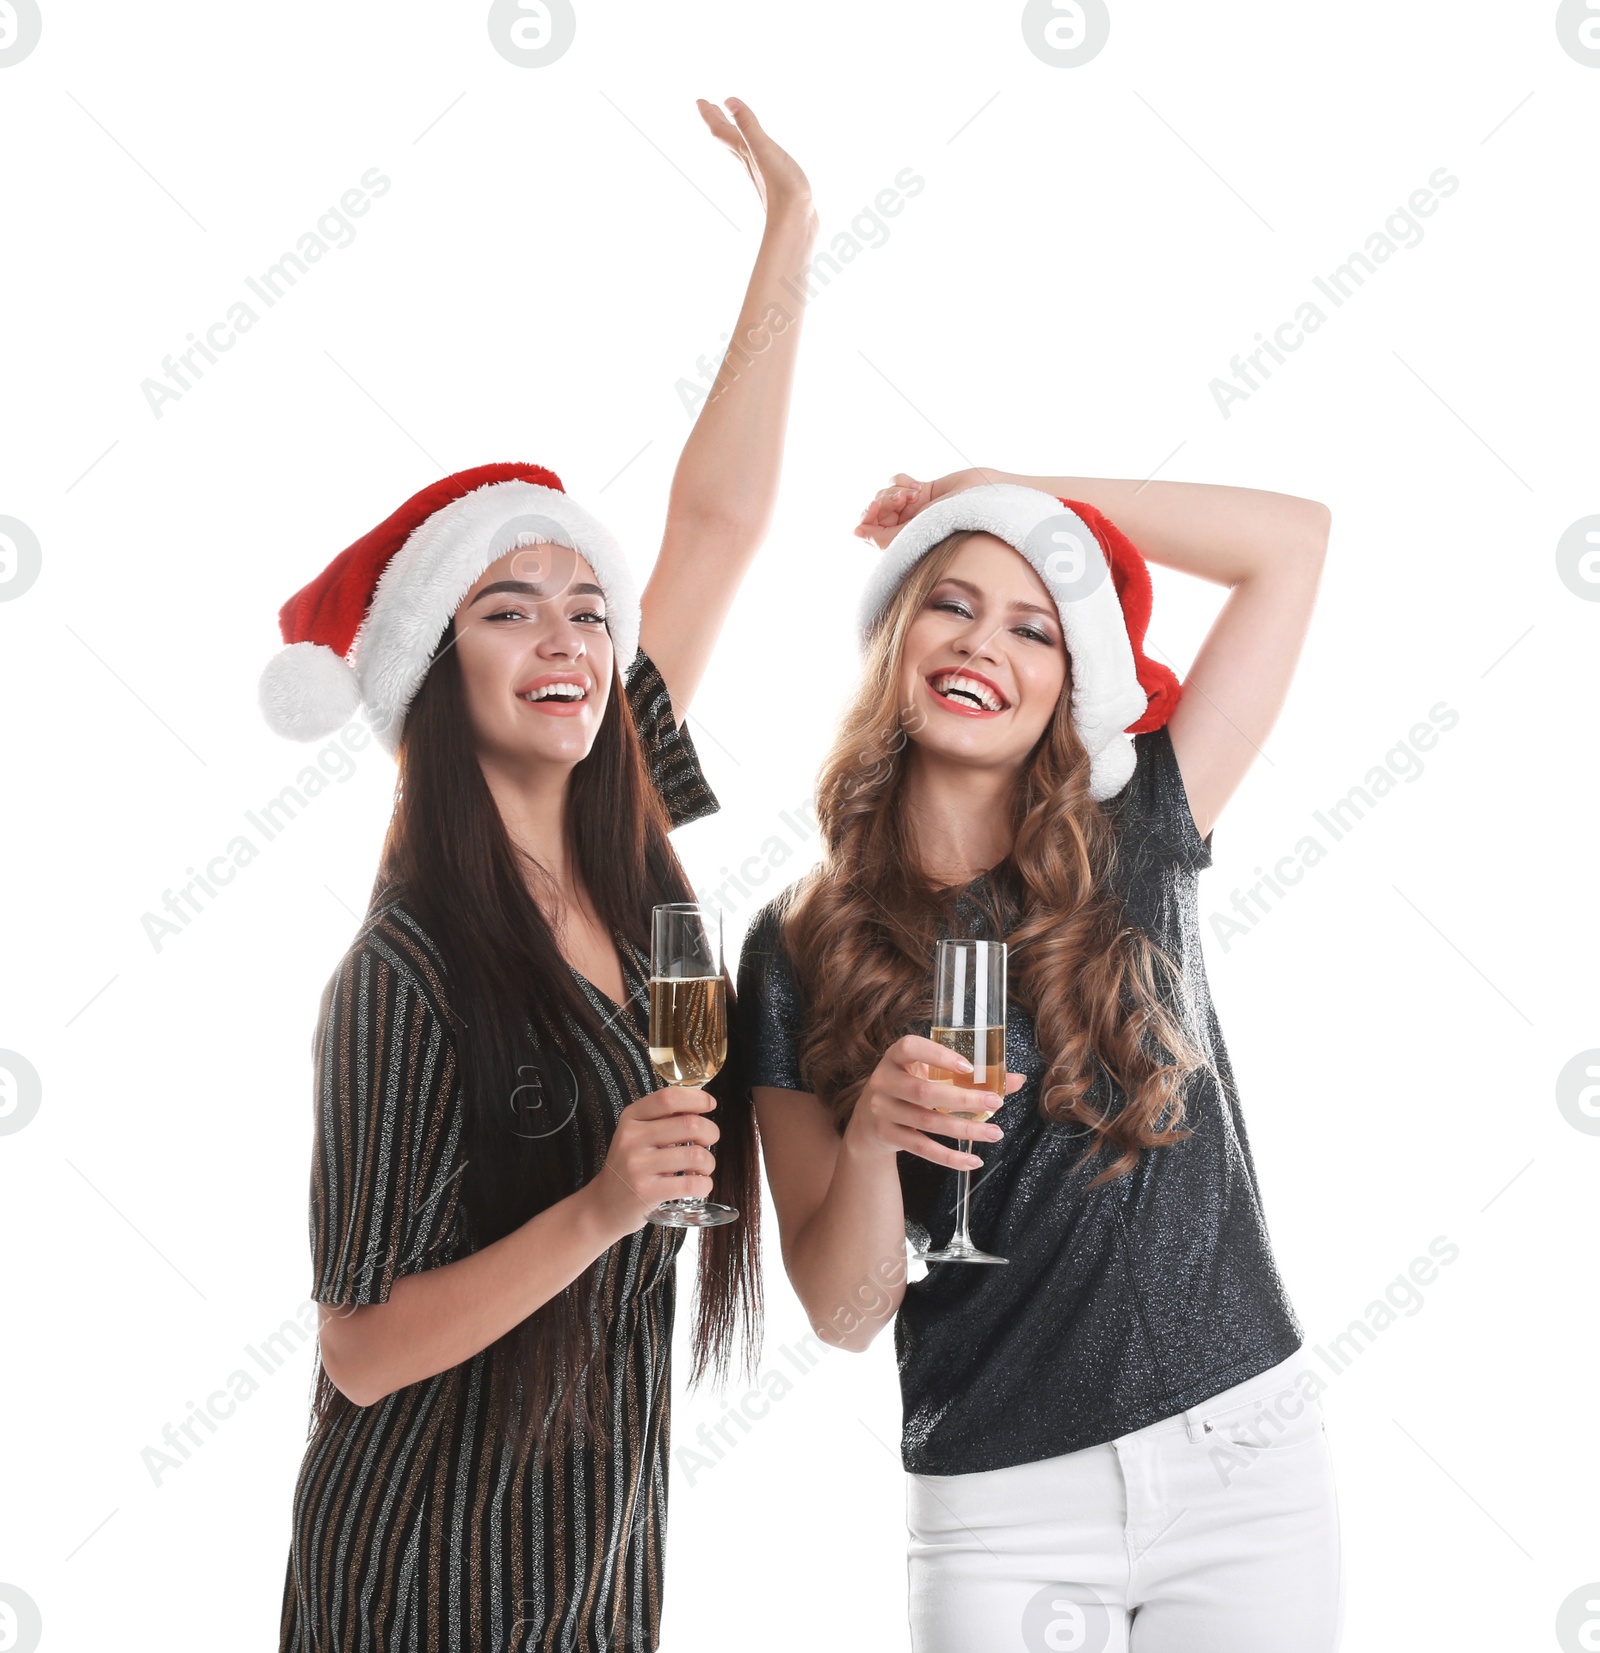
column 692, row 1213
column 955, row 1253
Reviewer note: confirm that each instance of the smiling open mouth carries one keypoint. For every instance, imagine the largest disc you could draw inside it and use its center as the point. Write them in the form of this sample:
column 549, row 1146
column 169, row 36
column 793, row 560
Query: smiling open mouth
column 556, row 691
column 962, row 689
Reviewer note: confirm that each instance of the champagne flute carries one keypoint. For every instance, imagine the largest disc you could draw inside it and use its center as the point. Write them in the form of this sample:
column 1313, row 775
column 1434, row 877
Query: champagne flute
column 969, row 1017
column 688, row 1024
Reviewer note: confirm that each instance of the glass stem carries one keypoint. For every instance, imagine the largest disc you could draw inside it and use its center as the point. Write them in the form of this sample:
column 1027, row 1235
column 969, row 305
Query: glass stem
column 689, row 1202
column 962, row 1239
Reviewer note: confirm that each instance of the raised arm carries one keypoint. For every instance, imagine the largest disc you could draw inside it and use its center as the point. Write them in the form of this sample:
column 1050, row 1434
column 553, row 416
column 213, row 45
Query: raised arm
column 726, row 482
column 1267, row 548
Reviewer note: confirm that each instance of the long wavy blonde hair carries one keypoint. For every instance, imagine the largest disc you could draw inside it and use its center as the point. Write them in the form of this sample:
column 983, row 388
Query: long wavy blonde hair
column 861, row 926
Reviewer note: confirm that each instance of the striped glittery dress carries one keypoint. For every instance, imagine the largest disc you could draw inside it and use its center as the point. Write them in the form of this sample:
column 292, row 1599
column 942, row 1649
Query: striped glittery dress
column 414, row 1528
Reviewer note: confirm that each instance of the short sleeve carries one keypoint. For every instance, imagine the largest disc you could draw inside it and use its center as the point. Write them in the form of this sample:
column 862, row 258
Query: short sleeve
column 384, row 1184
column 1152, row 810
column 769, row 1015
column 668, row 751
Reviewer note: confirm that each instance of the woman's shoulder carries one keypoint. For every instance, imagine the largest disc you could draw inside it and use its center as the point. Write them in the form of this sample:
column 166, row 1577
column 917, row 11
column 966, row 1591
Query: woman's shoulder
column 669, row 750
column 1153, row 807
column 766, row 966
column 394, row 941
column 764, row 936
column 769, row 1013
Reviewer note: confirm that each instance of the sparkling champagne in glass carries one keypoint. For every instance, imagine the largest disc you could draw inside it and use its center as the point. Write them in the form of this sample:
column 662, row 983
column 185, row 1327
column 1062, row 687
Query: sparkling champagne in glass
column 969, row 1017
column 688, row 1024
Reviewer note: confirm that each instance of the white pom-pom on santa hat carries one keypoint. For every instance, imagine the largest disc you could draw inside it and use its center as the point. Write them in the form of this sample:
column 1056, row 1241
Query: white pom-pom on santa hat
column 307, row 692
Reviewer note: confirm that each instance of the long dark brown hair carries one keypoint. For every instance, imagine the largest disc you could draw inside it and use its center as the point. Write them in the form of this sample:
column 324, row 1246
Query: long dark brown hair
column 861, row 926
column 528, row 1140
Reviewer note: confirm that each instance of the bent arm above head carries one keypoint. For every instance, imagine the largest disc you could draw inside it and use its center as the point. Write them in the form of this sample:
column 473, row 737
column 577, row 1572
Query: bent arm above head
column 1215, row 532
column 726, row 483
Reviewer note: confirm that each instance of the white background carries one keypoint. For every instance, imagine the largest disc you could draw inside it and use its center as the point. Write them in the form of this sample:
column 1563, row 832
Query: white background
column 558, row 247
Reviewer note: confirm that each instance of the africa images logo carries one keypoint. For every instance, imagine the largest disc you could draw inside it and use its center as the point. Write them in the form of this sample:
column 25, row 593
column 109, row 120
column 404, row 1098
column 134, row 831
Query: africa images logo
column 20, row 1091
column 532, row 33
column 20, row 556
column 20, row 1624
column 1578, row 30
column 1066, row 34
column 20, row 27
column 1066, row 1618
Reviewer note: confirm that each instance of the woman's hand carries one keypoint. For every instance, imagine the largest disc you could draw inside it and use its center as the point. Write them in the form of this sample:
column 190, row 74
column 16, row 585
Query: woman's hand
column 661, row 1150
column 783, row 188
column 893, row 507
column 899, row 1107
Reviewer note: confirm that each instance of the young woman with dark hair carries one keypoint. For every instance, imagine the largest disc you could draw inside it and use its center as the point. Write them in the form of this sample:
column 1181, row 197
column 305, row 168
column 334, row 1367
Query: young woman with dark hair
column 487, row 1465
column 1110, row 1439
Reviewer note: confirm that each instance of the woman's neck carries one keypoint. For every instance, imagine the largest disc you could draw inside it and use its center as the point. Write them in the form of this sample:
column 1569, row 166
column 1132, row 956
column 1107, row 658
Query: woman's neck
column 960, row 817
column 533, row 805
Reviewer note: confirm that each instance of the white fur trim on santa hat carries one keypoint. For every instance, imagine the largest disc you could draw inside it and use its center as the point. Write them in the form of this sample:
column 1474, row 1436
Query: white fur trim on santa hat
column 307, row 691
column 1063, row 551
column 440, row 561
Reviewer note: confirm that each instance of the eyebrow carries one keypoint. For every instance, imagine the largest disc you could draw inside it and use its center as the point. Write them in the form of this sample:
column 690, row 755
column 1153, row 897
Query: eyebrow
column 524, row 588
column 1023, row 607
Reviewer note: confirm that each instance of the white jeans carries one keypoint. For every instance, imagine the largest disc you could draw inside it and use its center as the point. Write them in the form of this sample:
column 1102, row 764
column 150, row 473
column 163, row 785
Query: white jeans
column 1213, row 1531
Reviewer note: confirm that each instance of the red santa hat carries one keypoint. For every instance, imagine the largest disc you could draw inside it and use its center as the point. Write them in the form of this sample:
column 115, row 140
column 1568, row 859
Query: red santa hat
column 363, row 632
column 1101, row 588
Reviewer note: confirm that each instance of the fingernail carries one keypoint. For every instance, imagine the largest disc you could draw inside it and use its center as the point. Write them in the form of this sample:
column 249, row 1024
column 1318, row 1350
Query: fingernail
column 963, row 1064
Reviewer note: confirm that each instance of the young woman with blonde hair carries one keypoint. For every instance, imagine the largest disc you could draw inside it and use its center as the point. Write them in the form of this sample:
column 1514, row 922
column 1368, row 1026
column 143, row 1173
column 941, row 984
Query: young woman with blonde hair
column 1110, row 1438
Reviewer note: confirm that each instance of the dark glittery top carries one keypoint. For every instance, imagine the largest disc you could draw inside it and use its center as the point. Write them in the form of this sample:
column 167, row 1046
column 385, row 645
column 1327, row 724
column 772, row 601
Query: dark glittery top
column 1119, row 1306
